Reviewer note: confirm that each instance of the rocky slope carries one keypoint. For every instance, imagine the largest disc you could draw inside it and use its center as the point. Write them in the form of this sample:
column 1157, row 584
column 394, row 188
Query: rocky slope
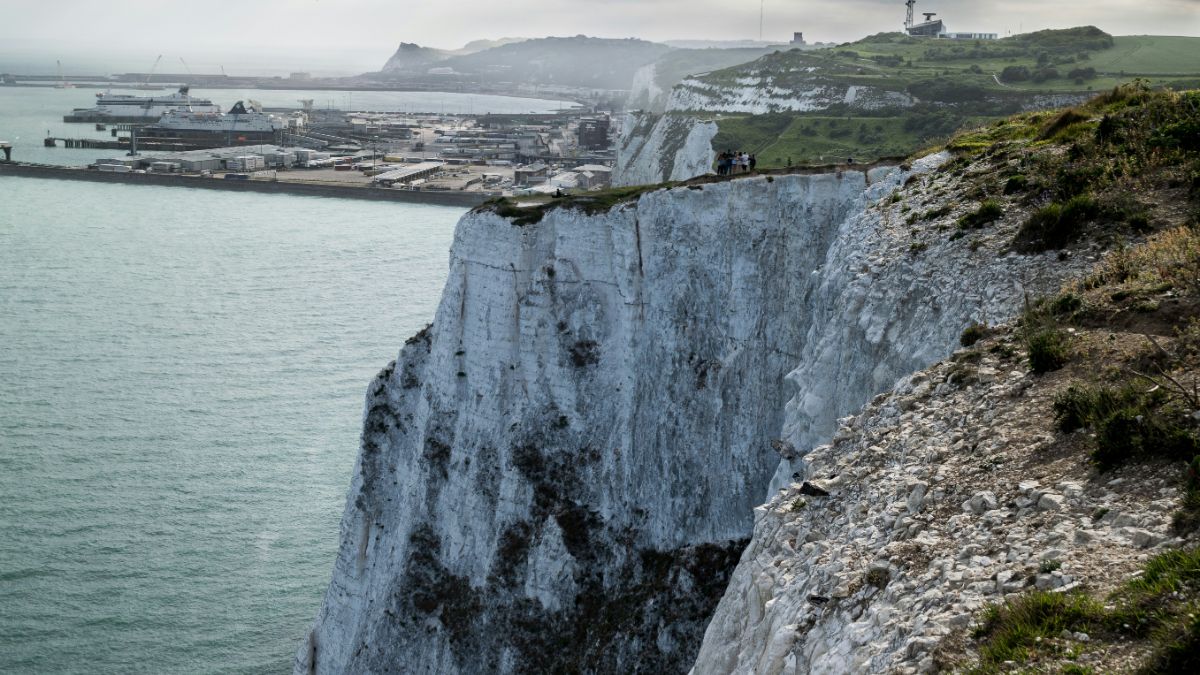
column 561, row 472
column 949, row 493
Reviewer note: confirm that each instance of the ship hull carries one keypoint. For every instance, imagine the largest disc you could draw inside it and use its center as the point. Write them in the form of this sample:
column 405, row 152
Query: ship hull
column 209, row 139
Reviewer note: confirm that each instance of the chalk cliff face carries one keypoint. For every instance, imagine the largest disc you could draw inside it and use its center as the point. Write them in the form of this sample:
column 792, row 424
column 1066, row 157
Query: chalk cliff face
column 644, row 93
column 560, row 473
column 759, row 93
column 656, row 148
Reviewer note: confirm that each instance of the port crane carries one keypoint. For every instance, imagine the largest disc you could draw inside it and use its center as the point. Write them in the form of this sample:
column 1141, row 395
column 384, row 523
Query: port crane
column 62, row 83
column 149, row 75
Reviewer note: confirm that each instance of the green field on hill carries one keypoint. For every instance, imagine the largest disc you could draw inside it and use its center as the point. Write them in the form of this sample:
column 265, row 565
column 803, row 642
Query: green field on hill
column 956, row 84
column 783, row 140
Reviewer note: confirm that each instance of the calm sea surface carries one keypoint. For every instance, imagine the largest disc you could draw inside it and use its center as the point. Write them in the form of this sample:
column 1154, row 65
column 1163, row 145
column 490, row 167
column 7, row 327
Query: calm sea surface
column 181, row 384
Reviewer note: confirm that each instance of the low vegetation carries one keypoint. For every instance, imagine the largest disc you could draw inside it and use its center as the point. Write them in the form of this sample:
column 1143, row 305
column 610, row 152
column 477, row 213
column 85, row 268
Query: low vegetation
column 1045, row 340
column 523, row 211
column 1131, row 421
column 1083, row 168
column 973, row 333
column 988, row 212
column 1040, row 629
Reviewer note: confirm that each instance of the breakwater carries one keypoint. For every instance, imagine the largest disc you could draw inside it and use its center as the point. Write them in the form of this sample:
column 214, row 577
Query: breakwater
column 464, row 199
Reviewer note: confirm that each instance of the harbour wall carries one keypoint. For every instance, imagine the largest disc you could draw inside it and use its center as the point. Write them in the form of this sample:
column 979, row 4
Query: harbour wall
column 461, row 199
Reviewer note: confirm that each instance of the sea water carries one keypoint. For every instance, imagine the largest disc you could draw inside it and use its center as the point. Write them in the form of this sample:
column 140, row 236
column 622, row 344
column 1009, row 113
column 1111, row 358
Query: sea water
column 182, row 376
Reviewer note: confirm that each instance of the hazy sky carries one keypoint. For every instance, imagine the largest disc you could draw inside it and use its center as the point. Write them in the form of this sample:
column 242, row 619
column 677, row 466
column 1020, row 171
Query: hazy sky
column 348, row 36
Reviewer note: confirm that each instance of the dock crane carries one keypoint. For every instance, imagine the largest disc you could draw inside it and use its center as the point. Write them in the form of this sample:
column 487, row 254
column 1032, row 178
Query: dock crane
column 62, row 83
column 152, row 69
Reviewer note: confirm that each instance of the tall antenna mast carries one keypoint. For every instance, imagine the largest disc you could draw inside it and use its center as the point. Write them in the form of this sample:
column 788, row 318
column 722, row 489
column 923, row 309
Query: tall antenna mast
column 908, row 21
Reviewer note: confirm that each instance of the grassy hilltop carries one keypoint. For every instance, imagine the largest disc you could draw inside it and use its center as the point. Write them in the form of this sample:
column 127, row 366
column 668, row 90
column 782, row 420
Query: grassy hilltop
column 944, row 85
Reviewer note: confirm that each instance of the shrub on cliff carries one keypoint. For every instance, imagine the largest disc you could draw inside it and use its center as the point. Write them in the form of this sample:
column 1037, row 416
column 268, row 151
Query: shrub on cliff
column 973, row 333
column 1047, row 350
column 1056, row 225
column 989, row 211
column 1130, row 422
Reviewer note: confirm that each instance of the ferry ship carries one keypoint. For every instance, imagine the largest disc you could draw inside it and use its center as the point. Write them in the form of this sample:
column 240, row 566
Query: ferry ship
column 145, row 109
column 240, row 126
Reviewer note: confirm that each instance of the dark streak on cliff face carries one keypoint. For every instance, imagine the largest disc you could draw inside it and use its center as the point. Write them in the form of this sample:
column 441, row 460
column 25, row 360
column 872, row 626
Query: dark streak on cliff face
column 647, row 616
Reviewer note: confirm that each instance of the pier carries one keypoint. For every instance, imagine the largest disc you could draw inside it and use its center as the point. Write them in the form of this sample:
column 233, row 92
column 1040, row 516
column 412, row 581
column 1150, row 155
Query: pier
column 85, row 143
column 122, row 143
column 349, row 191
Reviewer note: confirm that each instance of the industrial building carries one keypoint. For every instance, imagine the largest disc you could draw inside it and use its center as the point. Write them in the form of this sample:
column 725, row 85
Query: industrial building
column 936, row 28
column 531, row 174
column 593, row 132
column 409, row 174
column 236, row 159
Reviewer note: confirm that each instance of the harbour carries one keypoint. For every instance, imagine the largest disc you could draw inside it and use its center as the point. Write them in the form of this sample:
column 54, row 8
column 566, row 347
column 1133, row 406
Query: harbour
column 342, row 190
column 384, row 154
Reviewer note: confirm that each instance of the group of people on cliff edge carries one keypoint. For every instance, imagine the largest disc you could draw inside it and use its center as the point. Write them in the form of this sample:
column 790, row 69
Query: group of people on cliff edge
column 730, row 163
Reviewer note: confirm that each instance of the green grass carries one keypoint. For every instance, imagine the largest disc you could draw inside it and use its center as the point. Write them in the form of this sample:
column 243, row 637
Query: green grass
column 1160, row 607
column 1047, row 349
column 988, row 212
column 675, row 66
column 1015, row 630
column 1150, row 55
column 815, row 139
column 1056, row 225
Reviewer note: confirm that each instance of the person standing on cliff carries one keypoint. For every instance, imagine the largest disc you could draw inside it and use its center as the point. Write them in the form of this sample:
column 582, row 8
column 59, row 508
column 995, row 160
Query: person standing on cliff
column 753, row 162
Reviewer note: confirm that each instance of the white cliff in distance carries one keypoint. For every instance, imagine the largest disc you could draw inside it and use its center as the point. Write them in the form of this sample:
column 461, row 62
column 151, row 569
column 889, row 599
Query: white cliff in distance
column 655, row 149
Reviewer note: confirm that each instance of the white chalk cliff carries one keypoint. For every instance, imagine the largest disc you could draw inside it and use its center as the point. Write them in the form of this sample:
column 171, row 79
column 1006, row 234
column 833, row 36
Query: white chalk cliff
column 645, row 93
column 561, row 473
column 654, row 149
column 759, row 94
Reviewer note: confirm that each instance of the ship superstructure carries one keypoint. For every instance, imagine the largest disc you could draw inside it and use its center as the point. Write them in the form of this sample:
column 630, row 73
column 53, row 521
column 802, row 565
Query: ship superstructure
column 239, row 126
column 140, row 109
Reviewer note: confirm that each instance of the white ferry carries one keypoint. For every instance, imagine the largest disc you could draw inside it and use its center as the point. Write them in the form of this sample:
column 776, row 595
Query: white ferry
column 126, row 108
column 240, row 126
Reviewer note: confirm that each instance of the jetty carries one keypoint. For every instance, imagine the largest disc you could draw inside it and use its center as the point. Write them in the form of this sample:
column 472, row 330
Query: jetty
column 465, row 199
column 122, row 143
